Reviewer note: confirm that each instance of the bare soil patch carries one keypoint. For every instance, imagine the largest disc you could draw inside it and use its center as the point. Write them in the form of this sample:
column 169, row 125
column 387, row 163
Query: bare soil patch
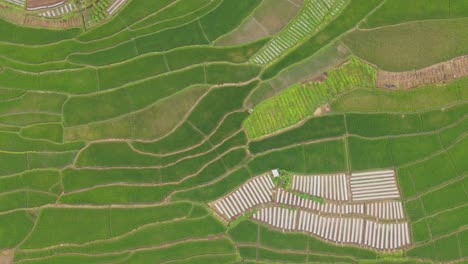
column 34, row 21
column 297, row 2
column 42, row 3
column 269, row 18
column 248, row 31
column 11, row 15
column 437, row 73
column 275, row 15
column 326, row 108
column 6, row 257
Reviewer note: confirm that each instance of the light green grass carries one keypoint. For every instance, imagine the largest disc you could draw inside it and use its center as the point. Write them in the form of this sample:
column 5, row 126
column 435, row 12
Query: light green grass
column 381, row 100
column 14, row 227
column 100, row 223
column 153, row 121
column 400, row 11
column 412, row 45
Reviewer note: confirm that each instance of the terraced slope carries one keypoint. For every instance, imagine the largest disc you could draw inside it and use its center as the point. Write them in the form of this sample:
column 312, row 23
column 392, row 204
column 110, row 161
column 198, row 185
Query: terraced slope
column 299, row 101
column 116, row 143
column 314, row 16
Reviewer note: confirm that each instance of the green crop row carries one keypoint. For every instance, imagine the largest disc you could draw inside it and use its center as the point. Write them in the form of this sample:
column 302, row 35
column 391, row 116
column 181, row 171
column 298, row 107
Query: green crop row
column 299, row 101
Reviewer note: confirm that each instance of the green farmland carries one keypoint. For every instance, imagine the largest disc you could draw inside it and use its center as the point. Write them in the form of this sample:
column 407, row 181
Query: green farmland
column 118, row 137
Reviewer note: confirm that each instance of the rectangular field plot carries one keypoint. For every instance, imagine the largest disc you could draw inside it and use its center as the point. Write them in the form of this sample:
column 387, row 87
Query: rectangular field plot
column 284, row 218
column 346, row 230
column 386, row 236
column 374, row 185
column 333, row 187
column 386, row 210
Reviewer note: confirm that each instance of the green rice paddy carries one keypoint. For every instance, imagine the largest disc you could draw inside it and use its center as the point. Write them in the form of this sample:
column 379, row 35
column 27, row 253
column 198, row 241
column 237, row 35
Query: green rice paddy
column 114, row 139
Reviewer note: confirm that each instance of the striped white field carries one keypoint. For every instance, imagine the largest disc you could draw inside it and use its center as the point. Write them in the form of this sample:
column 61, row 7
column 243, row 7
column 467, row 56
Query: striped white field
column 374, row 185
column 59, row 10
column 284, row 218
column 352, row 212
column 288, row 198
column 16, row 2
column 115, row 6
column 332, row 187
column 255, row 192
column 342, row 230
column 389, row 210
column 314, row 15
column 386, row 236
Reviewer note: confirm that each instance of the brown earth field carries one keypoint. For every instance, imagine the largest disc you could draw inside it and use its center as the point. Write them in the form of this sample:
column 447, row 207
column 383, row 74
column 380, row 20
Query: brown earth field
column 6, row 257
column 40, row 3
column 437, row 73
column 34, row 21
column 268, row 19
column 7, row 13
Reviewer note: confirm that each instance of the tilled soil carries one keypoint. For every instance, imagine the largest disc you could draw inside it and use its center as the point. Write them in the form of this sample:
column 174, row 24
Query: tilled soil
column 53, row 23
column 10, row 15
column 437, row 73
column 40, row 3
column 6, row 257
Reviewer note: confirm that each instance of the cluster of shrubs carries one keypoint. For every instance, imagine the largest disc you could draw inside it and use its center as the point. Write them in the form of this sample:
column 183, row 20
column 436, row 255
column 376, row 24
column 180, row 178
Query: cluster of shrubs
column 99, row 10
column 284, row 180
column 310, row 197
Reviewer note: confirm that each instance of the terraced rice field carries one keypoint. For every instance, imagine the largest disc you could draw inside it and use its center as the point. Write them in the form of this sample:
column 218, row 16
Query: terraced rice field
column 314, row 16
column 151, row 137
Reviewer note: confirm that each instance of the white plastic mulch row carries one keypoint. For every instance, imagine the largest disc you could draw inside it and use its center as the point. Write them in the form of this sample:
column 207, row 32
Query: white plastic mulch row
column 59, row 11
column 284, row 197
column 374, row 185
column 283, row 218
column 256, row 191
column 332, row 187
column 342, row 230
column 16, row 2
column 313, row 16
column 386, row 236
column 115, row 6
column 390, row 210
column 341, row 221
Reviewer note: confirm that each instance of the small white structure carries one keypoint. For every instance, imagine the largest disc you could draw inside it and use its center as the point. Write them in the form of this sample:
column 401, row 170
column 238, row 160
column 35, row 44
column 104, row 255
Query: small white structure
column 275, row 172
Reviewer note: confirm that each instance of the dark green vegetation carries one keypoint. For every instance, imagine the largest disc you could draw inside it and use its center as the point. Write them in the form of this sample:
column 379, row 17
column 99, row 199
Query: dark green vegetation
column 114, row 140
